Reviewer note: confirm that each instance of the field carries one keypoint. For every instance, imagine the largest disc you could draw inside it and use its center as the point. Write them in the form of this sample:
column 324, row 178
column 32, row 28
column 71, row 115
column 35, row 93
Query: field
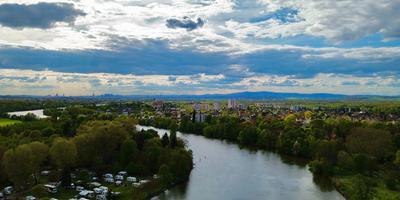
column 6, row 122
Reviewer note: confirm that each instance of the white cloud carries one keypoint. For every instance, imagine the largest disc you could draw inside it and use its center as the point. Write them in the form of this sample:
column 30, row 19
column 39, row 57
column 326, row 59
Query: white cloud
column 340, row 20
column 32, row 82
column 13, row 81
column 323, row 83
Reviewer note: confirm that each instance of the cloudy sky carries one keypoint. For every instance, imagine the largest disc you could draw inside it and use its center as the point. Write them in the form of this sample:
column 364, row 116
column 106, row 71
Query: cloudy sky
column 80, row 47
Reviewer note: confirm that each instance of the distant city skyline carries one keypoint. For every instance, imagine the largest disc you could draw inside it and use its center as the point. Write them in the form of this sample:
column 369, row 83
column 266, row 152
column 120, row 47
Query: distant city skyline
column 163, row 47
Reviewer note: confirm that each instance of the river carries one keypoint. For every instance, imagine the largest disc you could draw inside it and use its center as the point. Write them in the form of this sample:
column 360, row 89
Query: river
column 223, row 171
column 37, row 113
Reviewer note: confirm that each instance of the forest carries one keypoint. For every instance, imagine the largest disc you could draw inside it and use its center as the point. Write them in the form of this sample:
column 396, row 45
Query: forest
column 79, row 138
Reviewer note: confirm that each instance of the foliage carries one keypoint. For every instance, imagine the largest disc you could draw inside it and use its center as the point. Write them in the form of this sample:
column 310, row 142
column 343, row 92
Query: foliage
column 369, row 141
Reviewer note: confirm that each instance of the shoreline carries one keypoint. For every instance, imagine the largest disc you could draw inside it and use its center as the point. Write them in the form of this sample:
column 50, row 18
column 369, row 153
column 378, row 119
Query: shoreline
column 165, row 188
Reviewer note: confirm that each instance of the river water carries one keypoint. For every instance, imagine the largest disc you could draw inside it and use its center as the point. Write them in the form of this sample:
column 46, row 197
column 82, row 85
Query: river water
column 38, row 113
column 223, row 171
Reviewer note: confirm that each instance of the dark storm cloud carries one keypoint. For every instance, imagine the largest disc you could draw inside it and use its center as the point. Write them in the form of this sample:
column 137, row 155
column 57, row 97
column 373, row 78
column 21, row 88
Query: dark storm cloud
column 153, row 57
column 40, row 15
column 185, row 23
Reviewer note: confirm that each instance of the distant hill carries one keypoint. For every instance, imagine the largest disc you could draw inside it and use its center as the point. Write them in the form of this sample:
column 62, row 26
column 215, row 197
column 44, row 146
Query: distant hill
column 263, row 95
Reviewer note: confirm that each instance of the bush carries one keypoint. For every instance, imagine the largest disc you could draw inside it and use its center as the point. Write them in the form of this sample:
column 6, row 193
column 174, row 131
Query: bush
column 390, row 180
column 345, row 161
column 38, row 191
column 321, row 167
column 165, row 174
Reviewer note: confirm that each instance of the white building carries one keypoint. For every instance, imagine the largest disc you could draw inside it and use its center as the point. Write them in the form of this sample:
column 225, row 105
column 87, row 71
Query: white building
column 200, row 117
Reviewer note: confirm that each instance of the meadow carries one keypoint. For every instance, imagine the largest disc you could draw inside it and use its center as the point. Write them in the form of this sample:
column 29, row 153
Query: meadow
column 6, row 122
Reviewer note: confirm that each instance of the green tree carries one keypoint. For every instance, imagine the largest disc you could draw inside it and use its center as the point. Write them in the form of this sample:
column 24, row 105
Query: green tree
column 17, row 165
column 321, row 167
column 266, row 139
column 369, row 141
column 165, row 140
column 40, row 153
column 345, row 161
column 360, row 190
column 64, row 155
column 173, row 139
column 165, row 174
column 181, row 163
column 128, row 152
column 327, row 150
column 397, row 159
column 248, row 136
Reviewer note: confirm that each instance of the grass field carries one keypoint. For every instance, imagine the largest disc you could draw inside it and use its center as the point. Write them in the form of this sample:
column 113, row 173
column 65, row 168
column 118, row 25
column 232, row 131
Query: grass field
column 380, row 192
column 6, row 122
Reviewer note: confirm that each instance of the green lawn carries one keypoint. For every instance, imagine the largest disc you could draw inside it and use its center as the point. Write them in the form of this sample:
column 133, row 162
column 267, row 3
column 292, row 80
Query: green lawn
column 6, row 122
column 381, row 192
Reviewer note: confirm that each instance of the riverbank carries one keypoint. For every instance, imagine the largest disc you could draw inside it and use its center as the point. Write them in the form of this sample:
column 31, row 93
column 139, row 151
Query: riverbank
column 225, row 171
column 164, row 188
column 327, row 154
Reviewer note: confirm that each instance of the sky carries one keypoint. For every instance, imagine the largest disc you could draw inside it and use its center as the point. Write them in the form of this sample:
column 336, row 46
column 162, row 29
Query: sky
column 131, row 47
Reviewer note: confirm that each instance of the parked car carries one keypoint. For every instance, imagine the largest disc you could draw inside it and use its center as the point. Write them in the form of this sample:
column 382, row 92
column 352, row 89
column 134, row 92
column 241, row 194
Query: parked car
column 131, row 179
column 119, row 178
column 101, row 197
column 79, row 188
column 108, row 176
column 95, row 184
column 109, row 180
column 104, row 189
column 30, row 198
column 50, row 188
column 45, row 172
column 123, row 173
column 118, row 183
column 86, row 194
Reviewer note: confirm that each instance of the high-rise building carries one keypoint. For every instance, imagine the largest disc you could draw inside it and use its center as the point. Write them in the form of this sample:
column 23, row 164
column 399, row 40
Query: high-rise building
column 217, row 106
column 232, row 103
